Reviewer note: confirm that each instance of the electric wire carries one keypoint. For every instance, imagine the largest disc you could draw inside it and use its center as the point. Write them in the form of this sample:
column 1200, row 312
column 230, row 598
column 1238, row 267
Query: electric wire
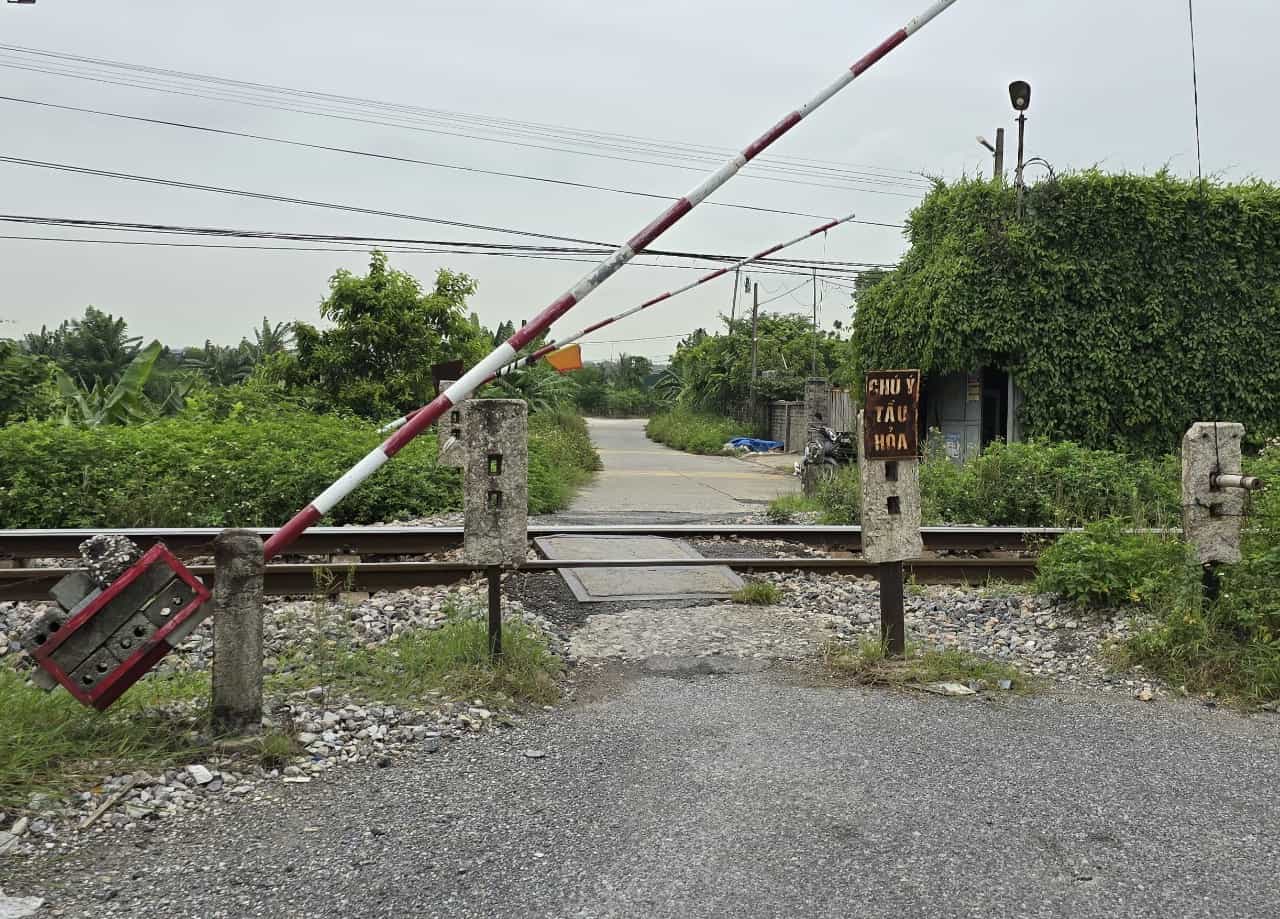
column 224, row 232
column 699, row 158
column 414, row 161
column 526, row 127
column 283, row 199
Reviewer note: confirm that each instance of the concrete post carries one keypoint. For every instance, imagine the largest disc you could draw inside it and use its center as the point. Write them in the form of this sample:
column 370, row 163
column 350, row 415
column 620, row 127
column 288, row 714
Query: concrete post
column 1213, row 509
column 237, row 632
column 817, row 406
column 890, row 531
column 495, row 481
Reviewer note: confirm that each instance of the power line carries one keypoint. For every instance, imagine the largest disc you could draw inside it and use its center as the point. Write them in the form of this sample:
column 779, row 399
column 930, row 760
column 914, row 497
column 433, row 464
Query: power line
column 343, row 114
column 523, row 127
column 413, row 161
column 841, row 268
column 283, row 199
column 785, row 293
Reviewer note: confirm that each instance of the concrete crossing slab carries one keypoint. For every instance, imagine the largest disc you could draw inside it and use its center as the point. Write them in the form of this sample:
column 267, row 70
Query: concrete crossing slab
column 600, row 585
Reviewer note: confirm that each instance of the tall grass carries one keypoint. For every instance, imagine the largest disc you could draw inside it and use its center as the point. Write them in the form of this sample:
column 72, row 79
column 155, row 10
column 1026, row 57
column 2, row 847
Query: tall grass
column 694, row 432
column 50, row 743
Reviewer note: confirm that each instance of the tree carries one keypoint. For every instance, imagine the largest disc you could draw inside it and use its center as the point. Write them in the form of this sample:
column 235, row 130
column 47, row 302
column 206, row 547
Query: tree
column 222, row 365
column 269, row 340
column 387, row 332
column 715, row 370
column 94, row 349
column 25, row 384
column 121, row 403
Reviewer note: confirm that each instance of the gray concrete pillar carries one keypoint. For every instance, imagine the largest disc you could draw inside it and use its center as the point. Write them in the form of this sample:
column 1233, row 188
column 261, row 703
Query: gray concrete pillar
column 237, row 632
column 817, row 406
column 1212, row 517
column 495, row 481
column 890, row 507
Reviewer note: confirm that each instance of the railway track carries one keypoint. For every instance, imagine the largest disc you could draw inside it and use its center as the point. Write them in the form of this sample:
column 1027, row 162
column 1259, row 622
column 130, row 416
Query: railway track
column 402, row 541
column 20, row 581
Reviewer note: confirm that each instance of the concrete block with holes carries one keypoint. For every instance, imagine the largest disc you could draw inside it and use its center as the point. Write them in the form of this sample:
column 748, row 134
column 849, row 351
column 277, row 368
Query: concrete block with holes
column 1212, row 515
column 100, row 641
column 495, row 481
column 890, row 507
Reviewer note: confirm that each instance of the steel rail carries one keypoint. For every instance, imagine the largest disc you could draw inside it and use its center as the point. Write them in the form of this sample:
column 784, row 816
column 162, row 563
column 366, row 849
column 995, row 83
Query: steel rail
column 320, row 579
column 391, row 540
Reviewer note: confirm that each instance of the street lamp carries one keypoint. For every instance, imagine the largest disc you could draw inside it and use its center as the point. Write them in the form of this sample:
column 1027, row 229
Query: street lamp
column 997, row 153
column 1020, row 96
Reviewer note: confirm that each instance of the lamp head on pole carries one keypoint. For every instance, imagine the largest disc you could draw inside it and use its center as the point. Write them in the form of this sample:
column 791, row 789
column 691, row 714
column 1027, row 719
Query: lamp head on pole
column 1020, row 95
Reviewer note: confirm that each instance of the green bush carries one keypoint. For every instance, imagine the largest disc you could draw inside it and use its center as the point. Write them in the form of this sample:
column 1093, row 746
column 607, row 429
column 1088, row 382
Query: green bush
column 1125, row 306
column 694, row 432
column 561, row 458
column 840, row 497
column 1109, row 564
column 1048, row 484
column 1028, row 484
column 185, row 472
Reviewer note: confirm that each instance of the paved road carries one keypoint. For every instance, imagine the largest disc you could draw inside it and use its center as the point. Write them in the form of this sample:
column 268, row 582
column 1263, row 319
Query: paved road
column 665, row 794
column 642, row 477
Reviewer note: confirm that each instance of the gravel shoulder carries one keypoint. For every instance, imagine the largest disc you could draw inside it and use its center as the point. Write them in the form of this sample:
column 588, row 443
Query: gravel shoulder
column 749, row 794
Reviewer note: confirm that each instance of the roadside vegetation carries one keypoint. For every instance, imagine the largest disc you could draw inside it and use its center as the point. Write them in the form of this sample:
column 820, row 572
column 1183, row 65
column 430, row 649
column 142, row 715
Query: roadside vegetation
column 1230, row 646
column 51, row 744
column 97, row 430
column 868, row 662
column 758, row 593
column 694, row 432
column 451, row 662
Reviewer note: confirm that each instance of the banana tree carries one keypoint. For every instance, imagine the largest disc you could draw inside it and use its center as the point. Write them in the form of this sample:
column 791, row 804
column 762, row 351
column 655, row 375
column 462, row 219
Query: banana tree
column 121, row 403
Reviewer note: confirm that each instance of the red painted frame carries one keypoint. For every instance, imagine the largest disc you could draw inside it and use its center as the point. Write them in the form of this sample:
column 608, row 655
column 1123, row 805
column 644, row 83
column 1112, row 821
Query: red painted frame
column 113, row 685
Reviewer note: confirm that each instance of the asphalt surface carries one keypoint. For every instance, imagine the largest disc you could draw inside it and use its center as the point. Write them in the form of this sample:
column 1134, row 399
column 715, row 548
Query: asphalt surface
column 645, row 478
column 690, row 794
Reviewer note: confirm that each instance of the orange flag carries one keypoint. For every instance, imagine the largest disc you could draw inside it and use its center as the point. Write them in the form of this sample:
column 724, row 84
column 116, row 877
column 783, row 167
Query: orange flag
column 566, row 359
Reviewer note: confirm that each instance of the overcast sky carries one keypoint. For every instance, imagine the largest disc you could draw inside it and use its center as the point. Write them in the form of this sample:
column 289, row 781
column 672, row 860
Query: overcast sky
column 1111, row 86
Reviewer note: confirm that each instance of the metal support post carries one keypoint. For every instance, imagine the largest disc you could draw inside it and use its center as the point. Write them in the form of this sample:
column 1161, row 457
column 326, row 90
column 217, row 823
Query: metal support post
column 494, row 574
column 893, row 624
column 1022, row 125
column 997, row 169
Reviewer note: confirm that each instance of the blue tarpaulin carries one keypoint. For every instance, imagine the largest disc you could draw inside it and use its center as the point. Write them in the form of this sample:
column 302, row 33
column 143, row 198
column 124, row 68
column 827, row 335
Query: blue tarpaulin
column 754, row 444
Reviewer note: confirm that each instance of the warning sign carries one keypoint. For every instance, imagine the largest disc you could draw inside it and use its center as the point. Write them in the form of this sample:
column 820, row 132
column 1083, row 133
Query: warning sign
column 890, row 425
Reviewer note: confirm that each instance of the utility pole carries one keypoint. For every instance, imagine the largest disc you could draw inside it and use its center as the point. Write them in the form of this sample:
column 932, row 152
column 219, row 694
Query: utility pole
column 733, row 305
column 814, row 369
column 997, row 169
column 1017, row 179
column 755, row 313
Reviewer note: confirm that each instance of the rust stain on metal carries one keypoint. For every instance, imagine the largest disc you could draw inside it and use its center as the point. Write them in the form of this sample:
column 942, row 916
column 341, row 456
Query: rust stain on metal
column 891, row 426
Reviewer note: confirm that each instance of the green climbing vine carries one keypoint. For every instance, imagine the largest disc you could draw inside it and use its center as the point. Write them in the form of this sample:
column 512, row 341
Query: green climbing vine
column 1125, row 306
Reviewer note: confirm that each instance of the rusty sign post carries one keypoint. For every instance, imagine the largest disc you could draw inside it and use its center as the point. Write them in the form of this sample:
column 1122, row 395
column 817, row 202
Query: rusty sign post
column 889, row 472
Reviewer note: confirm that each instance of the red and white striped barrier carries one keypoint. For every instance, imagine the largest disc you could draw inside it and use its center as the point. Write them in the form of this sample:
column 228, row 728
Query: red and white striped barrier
column 560, row 343
column 508, row 350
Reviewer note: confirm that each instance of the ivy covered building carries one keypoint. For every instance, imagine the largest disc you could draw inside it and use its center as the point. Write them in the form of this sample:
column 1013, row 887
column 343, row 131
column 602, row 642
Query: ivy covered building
column 1118, row 310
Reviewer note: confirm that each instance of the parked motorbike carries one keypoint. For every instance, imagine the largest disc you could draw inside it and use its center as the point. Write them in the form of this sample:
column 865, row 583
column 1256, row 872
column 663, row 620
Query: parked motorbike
column 825, row 454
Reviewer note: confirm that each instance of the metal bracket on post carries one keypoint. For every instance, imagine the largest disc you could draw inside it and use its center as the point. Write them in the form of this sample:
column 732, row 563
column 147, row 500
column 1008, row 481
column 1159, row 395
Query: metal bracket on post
column 1213, row 496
